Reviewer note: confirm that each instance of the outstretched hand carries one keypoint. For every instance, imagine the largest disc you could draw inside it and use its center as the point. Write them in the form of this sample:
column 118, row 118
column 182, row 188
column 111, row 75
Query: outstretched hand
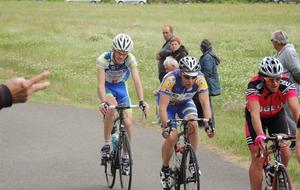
column 21, row 89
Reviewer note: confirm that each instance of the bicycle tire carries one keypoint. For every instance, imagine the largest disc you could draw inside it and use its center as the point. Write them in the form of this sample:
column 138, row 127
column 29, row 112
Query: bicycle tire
column 281, row 179
column 110, row 170
column 190, row 179
column 125, row 178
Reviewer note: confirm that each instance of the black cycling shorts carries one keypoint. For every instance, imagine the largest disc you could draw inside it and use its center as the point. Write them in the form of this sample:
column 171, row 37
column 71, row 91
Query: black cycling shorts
column 275, row 124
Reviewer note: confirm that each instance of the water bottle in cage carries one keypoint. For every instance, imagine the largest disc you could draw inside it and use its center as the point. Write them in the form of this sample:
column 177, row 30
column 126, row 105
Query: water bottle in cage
column 114, row 140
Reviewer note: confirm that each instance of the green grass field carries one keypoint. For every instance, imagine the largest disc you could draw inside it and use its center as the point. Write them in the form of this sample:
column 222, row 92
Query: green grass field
column 66, row 38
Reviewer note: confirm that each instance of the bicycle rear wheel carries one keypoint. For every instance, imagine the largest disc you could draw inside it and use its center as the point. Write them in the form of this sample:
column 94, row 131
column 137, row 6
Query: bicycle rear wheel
column 125, row 171
column 110, row 170
column 190, row 171
column 281, row 179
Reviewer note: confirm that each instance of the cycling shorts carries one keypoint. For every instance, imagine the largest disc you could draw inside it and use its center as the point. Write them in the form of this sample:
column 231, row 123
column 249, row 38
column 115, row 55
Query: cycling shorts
column 119, row 91
column 182, row 110
column 275, row 124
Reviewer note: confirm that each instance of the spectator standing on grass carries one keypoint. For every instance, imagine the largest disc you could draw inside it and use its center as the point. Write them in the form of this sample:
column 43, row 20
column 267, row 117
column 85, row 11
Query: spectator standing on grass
column 178, row 50
column 289, row 59
column 209, row 62
column 165, row 51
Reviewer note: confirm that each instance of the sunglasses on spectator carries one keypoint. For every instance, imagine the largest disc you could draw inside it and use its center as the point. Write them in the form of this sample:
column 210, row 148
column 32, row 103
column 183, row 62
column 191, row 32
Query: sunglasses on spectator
column 187, row 77
column 270, row 79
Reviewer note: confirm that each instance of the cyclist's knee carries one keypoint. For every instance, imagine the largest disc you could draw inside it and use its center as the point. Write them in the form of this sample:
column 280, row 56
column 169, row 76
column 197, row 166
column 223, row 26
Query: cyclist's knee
column 111, row 100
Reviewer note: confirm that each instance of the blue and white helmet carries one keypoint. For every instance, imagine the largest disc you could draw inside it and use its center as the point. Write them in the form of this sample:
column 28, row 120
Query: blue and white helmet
column 270, row 67
column 189, row 65
column 123, row 42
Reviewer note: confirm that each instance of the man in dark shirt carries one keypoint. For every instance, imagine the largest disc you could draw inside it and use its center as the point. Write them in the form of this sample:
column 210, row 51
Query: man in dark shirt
column 165, row 51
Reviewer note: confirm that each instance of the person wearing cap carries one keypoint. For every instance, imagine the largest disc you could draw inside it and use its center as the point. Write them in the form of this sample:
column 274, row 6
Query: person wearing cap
column 209, row 62
column 178, row 50
column 176, row 92
column 289, row 59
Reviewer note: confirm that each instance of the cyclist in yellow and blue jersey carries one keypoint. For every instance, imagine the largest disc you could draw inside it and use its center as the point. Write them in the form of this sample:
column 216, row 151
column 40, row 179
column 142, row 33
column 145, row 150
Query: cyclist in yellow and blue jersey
column 114, row 69
column 176, row 92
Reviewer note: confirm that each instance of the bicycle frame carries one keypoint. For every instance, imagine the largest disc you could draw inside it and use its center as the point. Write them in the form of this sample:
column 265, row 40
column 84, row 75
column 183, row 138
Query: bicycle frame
column 277, row 164
column 188, row 156
column 122, row 148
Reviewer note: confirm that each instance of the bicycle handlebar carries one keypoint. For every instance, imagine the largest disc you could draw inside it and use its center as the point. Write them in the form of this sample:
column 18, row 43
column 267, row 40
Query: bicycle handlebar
column 276, row 138
column 121, row 107
column 279, row 138
column 195, row 119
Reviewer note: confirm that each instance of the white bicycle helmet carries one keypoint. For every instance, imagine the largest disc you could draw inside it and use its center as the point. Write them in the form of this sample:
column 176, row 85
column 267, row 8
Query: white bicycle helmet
column 270, row 67
column 122, row 42
column 189, row 65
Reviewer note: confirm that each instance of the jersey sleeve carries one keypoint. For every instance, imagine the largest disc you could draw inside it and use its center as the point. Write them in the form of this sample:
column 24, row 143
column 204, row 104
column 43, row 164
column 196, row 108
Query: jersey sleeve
column 131, row 61
column 101, row 62
column 202, row 84
column 167, row 85
column 252, row 92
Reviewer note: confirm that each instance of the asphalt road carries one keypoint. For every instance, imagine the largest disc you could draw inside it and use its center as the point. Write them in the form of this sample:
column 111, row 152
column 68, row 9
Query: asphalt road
column 51, row 147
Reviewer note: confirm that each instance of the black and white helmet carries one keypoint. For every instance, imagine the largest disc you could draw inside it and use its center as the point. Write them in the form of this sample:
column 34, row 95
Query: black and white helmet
column 189, row 65
column 270, row 67
column 122, row 42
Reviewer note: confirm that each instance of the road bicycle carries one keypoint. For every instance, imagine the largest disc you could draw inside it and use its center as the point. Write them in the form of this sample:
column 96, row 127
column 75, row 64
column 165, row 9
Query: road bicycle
column 120, row 149
column 185, row 170
column 276, row 175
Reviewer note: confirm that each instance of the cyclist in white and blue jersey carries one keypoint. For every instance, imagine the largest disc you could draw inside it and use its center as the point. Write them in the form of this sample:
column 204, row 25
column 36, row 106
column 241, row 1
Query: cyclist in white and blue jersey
column 176, row 92
column 114, row 69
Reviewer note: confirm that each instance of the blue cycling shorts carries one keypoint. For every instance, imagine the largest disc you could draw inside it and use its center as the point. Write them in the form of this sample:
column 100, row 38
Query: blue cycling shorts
column 119, row 91
column 182, row 110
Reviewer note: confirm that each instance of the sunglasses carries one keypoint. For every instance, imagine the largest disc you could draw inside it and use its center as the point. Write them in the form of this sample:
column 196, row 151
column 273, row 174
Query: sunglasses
column 270, row 79
column 187, row 77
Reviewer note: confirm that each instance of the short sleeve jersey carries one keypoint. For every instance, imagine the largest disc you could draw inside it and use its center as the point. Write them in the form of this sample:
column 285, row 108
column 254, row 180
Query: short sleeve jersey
column 115, row 73
column 172, row 86
column 270, row 103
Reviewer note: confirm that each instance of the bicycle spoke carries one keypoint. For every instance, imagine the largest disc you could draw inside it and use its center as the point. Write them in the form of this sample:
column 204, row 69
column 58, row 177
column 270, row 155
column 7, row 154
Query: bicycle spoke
column 125, row 171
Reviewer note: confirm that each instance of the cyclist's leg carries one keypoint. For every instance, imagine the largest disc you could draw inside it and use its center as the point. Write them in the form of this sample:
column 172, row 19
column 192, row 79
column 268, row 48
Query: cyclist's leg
column 279, row 125
column 167, row 151
column 298, row 144
column 189, row 111
column 256, row 165
column 109, row 116
column 123, row 98
column 167, row 147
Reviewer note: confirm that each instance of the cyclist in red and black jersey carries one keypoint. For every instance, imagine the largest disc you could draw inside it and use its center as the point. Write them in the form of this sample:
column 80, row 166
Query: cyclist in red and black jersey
column 266, row 94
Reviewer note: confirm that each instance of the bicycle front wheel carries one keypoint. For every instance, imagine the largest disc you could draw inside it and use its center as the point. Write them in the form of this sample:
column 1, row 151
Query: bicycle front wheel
column 281, row 179
column 110, row 170
column 190, row 171
column 125, row 160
